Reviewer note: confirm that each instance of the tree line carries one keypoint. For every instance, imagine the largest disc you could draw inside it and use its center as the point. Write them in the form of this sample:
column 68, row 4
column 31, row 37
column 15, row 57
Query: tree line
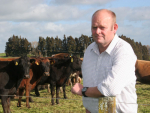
column 17, row 46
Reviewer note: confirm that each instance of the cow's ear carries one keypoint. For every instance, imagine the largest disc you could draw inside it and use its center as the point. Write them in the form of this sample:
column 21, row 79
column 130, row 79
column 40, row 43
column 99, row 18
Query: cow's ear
column 71, row 59
column 51, row 62
column 32, row 60
column 36, row 63
column 16, row 63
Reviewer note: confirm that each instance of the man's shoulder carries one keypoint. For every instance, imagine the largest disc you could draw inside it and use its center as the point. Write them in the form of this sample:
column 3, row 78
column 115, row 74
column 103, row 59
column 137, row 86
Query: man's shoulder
column 123, row 47
column 122, row 43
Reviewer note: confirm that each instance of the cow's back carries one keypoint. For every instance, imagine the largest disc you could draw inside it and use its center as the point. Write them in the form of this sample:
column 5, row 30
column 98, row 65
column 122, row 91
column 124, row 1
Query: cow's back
column 142, row 71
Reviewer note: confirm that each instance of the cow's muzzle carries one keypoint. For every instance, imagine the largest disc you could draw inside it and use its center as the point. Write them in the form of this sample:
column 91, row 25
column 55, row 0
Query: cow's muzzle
column 46, row 74
column 26, row 76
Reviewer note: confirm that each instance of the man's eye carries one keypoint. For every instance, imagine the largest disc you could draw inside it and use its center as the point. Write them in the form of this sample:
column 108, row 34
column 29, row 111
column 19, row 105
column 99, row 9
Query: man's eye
column 102, row 27
column 94, row 27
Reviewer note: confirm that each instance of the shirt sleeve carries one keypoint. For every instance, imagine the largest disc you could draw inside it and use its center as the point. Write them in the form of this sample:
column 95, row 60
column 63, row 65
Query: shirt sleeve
column 121, row 74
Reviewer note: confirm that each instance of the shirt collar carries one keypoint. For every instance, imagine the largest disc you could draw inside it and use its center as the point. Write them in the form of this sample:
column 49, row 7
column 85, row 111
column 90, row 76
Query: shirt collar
column 109, row 48
column 112, row 44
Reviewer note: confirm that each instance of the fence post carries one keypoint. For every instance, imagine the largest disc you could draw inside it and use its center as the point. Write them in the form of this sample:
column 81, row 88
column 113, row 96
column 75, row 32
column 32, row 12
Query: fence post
column 107, row 105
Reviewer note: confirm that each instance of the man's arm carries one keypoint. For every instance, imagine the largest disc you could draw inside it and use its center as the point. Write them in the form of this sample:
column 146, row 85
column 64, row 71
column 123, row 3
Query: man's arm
column 91, row 91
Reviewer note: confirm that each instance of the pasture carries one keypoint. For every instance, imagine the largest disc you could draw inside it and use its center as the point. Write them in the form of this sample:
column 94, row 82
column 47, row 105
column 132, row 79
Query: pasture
column 73, row 104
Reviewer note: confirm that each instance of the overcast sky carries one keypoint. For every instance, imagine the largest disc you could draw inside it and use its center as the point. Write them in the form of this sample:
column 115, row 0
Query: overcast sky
column 33, row 18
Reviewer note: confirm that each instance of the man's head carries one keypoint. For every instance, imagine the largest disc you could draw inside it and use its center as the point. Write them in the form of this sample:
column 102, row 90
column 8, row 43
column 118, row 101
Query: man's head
column 103, row 27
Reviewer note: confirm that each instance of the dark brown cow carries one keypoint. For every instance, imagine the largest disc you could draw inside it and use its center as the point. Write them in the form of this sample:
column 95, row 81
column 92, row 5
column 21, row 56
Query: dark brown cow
column 59, row 74
column 38, row 69
column 142, row 71
column 11, row 76
column 46, row 80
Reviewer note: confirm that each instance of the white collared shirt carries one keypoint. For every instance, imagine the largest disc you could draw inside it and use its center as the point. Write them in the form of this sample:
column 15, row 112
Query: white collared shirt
column 113, row 73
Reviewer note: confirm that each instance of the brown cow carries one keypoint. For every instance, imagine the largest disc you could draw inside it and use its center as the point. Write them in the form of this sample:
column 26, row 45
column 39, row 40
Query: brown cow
column 142, row 71
column 39, row 68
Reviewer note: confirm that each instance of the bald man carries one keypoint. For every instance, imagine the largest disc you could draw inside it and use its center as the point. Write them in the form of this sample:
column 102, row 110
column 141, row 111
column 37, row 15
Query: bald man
column 108, row 67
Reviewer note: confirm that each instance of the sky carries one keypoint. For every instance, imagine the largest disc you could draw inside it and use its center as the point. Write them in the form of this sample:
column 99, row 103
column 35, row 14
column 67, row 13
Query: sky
column 33, row 18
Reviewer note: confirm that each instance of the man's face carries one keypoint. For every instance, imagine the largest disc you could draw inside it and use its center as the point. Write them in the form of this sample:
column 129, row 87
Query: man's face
column 102, row 29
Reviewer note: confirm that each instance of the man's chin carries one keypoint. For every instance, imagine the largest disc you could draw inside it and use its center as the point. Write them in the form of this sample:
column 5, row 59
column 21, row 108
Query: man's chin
column 99, row 41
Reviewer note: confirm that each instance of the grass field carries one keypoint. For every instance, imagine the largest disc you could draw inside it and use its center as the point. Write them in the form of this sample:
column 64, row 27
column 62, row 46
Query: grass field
column 73, row 104
column 2, row 55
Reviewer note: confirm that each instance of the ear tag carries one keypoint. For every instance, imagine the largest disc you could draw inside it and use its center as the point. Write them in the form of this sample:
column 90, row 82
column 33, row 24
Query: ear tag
column 71, row 59
column 33, row 62
column 51, row 62
column 16, row 63
column 36, row 63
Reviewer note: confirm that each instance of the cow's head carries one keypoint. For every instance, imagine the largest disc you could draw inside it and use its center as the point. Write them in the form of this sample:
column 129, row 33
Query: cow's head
column 75, row 63
column 22, row 65
column 43, row 64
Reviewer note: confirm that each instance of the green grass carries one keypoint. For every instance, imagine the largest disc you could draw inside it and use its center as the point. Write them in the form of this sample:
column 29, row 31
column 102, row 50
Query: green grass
column 143, row 92
column 42, row 104
column 2, row 55
column 73, row 104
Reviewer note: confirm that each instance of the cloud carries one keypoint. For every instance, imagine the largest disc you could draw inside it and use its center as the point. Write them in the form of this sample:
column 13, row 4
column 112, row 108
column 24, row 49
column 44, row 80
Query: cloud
column 132, row 14
column 80, row 2
column 28, row 11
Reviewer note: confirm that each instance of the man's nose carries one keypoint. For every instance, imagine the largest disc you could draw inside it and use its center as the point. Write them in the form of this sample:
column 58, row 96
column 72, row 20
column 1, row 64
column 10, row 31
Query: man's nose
column 98, row 31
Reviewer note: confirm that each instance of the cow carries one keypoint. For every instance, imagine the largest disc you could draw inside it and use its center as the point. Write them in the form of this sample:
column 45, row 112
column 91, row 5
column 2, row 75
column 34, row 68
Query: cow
column 59, row 75
column 11, row 76
column 142, row 71
column 46, row 80
column 38, row 69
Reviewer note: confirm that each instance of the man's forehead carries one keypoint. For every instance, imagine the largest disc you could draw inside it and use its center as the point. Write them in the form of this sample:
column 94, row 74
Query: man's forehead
column 104, row 20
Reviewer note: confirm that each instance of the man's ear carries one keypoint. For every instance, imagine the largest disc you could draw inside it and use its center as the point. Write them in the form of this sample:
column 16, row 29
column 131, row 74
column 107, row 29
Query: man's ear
column 115, row 27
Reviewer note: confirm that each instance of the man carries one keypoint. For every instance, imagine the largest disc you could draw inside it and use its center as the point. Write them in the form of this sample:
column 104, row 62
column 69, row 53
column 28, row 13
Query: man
column 108, row 67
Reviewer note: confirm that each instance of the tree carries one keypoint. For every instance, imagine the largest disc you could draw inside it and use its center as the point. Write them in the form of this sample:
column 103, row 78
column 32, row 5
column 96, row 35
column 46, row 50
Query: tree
column 42, row 45
column 71, row 44
column 17, row 46
column 64, row 44
column 58, row 44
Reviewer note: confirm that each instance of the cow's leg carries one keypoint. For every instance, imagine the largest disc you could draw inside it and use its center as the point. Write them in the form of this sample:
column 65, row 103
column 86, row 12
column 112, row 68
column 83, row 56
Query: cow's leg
column 64, row 91
column 27, row 98
column 57, row 94
column 5, row 104
column 30, row 99
column 8, row 103
column 52, row 94
column 21, row 92
column 37, row 90
column 48, row 88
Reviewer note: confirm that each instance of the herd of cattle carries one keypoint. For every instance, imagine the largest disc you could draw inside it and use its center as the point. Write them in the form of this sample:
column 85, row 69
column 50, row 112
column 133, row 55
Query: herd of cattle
column 25, row 74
